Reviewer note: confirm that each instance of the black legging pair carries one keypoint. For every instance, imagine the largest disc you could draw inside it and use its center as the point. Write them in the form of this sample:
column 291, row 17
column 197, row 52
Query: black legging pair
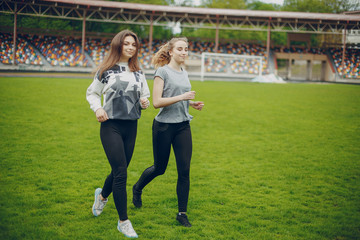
column 179, row 136
column 118, row 139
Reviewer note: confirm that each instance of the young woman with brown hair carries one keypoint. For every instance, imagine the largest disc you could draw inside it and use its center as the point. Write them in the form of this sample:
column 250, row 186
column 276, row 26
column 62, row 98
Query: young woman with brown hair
column 172, row 94
column 125, row 92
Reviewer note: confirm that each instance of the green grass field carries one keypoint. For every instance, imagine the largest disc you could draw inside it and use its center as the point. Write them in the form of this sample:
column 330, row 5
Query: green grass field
column 270, row 161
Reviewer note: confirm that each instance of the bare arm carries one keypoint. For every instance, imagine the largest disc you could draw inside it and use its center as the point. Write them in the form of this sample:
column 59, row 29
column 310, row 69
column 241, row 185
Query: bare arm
column 159, row 101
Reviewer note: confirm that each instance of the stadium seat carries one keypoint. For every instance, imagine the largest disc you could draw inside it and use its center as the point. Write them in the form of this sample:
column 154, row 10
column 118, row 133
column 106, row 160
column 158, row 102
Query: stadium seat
column 66, row 51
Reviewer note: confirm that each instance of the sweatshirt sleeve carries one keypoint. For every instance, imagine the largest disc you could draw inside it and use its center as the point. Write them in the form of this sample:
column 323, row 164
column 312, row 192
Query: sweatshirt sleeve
column 93, row 93
column 145, row 92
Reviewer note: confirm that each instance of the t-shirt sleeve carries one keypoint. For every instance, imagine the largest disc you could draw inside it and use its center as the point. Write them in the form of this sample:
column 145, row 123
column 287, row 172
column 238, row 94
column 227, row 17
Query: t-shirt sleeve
column 161, row 72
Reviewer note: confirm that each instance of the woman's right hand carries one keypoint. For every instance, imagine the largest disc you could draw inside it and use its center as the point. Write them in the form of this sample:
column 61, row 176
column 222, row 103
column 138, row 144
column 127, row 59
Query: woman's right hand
column 189, row 95
column 101, row 115
column 144, row 103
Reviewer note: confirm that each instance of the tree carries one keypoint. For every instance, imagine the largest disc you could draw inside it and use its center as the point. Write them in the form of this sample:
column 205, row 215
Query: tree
column 321, row 6
column 257, row 5
column 156, row 2
column 228, row 4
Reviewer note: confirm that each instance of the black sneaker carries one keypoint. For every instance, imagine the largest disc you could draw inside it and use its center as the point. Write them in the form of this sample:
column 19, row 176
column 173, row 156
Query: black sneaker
column 137, row 198
column 183, row 220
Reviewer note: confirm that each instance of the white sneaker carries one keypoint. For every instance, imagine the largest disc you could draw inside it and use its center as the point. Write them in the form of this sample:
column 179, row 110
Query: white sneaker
column 98, row 205
column 127, row 229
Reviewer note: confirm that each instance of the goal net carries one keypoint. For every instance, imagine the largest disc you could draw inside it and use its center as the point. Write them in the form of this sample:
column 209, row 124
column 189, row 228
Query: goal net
column 218, row 65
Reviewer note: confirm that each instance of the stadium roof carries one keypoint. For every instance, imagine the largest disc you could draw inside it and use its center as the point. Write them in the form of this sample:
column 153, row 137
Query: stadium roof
column 159, row 15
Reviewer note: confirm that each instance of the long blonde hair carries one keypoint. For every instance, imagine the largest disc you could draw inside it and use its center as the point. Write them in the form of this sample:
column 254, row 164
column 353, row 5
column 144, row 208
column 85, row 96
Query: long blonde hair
column 162, row 56
column 114, row 55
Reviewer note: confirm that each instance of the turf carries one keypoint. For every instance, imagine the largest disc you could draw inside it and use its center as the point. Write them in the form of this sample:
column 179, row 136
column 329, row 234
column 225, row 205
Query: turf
column 270, row 161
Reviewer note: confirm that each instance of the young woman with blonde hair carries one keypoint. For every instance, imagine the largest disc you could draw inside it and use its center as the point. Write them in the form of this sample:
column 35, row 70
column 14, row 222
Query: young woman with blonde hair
column 125, row 92
column 171, row 127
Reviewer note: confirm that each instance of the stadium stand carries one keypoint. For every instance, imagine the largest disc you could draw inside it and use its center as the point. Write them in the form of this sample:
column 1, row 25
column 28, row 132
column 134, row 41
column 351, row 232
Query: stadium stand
column 66, row 51
column 145, row 54
column 25, row 53
column 352, row 62
column 60, row 51
column 301, row 50
column 97, row 49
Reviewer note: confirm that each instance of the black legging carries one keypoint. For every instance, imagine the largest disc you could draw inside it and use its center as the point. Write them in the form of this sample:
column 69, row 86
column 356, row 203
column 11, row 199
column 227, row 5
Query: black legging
column 179, row 136
column 118, row 139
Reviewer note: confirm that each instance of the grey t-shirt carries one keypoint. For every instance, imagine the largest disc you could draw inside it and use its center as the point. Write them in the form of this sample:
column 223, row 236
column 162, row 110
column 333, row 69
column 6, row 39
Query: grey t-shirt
column 175, row 83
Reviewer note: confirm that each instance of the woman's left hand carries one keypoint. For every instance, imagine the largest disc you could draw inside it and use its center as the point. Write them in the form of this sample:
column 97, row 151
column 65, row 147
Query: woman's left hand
column 144, row 103
column 198, row 105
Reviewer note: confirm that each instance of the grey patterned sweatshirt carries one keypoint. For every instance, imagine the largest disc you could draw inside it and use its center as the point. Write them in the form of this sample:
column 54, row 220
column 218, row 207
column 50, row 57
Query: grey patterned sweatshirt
column 121, row 90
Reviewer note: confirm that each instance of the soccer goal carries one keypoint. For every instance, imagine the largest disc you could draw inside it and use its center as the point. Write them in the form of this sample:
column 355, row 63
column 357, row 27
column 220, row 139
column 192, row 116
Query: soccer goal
column 231, row 66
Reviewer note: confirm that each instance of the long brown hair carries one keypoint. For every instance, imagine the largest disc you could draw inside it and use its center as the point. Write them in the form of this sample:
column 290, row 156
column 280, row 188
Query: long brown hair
column 162, row 56
column 116, row 47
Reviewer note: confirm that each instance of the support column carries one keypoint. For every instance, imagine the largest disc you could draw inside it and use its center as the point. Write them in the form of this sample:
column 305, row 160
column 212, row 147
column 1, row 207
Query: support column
column 268, row 41
column 309, row 70
column 288, row 73
column 343, row 54
column 151, row 33
column 83, row 36
column 217, row 34
column 288, row 68
column 323, row 70
column 15, row 34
